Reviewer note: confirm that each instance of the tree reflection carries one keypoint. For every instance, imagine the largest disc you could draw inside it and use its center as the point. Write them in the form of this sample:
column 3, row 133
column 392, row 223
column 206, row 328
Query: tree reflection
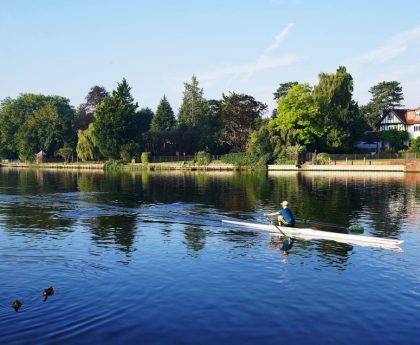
column 195, row 238
column 110, row 230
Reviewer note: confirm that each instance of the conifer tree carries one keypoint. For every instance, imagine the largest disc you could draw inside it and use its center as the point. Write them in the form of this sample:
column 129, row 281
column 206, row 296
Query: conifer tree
column 164, row 118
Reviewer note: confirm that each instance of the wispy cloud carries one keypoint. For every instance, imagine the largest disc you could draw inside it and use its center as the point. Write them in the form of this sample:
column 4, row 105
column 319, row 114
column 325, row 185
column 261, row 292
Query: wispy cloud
column 264, row 62
column 393, row 47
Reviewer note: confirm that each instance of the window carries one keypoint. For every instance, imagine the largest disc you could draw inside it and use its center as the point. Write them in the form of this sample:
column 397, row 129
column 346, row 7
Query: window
column 418, row 113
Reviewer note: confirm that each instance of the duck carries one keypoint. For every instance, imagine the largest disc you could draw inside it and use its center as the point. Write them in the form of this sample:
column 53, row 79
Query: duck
column 48, row 292
column 16, row 305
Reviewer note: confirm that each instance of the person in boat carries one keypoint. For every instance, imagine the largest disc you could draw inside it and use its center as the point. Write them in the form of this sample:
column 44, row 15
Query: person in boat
column 284, row 216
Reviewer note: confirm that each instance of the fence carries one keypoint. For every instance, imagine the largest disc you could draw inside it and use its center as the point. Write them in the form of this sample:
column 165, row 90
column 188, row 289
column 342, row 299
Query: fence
column 180, row 158
column 409, row 156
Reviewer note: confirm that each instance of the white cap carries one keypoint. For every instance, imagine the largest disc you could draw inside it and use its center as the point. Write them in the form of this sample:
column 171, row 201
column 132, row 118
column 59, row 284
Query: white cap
column 285, row 203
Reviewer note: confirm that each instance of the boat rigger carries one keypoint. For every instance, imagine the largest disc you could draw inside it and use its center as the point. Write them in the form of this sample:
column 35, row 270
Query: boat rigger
column 307, row 233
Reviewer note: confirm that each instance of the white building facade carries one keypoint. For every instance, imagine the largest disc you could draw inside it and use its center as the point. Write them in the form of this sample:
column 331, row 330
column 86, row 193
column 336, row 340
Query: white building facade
column 401, row 119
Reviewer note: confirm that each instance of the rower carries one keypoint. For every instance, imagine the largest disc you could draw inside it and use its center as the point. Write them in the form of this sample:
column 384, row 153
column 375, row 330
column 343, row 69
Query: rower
column 284, row 216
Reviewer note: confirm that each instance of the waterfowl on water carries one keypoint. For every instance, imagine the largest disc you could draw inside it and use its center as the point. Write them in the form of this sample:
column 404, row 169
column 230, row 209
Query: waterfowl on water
column 48, row 292
column 16, row 305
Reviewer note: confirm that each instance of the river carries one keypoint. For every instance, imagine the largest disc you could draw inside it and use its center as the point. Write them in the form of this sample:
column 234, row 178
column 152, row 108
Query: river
column 143, row 258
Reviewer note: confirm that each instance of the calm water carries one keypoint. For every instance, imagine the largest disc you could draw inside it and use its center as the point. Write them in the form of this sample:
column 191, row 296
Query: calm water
column 144, row 258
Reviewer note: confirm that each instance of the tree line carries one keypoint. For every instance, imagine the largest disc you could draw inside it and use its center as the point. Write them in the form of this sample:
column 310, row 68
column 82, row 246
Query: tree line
column 324, row 117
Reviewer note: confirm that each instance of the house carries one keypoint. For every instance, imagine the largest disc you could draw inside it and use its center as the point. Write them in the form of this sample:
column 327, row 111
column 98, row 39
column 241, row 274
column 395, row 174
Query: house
column 401, row 119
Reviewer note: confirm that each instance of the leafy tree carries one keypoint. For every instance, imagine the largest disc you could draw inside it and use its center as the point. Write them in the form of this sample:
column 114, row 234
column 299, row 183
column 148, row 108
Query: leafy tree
column 86, row 111
column 340, row 117
column 86, row 148
column 261, row 145
column 31, row 122
column 144, row 118
column 395, row 138
column 193, row 103
column 240, row 115
column 65, row 153
column 114, row 121
column 415, row 145
column 208, row 128
column 298, row 119
column 385, row 95
column 164, row 118
column 283, row 89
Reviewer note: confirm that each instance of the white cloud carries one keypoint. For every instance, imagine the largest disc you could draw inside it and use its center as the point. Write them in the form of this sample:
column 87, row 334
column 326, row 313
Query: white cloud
column 264, row 62
column 393, row 47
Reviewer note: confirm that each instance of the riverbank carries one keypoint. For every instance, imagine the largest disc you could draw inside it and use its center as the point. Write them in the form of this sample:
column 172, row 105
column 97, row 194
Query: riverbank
column 383, row 166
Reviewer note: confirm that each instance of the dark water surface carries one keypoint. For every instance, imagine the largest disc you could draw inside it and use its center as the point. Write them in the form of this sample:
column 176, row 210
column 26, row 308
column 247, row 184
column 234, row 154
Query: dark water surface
column 144, row 259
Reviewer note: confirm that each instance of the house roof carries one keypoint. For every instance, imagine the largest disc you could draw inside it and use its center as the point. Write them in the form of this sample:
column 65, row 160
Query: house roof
column 370, row 137
column 406, row 116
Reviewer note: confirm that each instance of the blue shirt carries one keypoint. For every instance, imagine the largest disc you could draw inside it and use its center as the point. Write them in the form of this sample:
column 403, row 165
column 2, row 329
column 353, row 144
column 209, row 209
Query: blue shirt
column 287, row 215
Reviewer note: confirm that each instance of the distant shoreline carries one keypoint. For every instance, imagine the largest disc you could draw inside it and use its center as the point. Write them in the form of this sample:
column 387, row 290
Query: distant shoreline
column 409, row 167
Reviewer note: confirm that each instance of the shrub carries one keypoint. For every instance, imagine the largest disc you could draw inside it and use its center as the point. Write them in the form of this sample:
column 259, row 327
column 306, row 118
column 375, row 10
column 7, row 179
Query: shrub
column 239, row 159
column 114, row 165
column 323, row 158
column 145, row 157
column 415, row 145
column 203, row 158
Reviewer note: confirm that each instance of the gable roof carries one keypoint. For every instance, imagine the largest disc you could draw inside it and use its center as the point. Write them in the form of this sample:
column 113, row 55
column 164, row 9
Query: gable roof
column 406, row 116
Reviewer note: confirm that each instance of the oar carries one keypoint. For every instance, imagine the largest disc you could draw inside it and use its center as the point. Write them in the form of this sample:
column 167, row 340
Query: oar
column 278, row 228
column 351, row 228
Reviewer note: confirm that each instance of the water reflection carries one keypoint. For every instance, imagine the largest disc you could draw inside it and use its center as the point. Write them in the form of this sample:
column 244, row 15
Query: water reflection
column 113, row 207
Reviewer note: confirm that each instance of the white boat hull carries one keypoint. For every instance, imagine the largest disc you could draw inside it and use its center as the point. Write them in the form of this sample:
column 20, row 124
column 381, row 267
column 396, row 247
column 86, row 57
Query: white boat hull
column 308, row 234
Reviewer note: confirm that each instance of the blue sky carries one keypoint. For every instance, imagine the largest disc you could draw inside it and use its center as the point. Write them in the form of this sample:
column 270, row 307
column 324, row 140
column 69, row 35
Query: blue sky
column 64, row 47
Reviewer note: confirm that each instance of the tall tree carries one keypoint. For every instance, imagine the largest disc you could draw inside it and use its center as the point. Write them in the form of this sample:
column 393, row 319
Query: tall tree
column 193, row 104
column 208, row 128
column 164, row 118
column 385, row 95
column 86, row 111
column 114, row 121
column 240, row 114
column 283, row 89
column 298, row 117
column 339, row 113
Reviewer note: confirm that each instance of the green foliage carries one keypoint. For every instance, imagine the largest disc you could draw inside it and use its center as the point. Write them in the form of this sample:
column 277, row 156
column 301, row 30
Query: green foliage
column 240, row 115
column 31, row 122
column 86, row 148
column 192, row 106
column 203, row 158
column 297, row 117
column 238, row 159
column 395, row 138
column 115, row 121
column 128, row 151
column 261, row 145
column 323, row 158
column 164, row 118
column 65, row 153
column 208, row 127
column 385, row 95
column 86, row 111
column 114, row 165
column 340, row 118
column 415, row 145
column 283, row 89
column 145, row 157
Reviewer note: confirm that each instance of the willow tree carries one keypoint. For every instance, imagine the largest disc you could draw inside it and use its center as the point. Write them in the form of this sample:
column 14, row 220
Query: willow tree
column 340, row 117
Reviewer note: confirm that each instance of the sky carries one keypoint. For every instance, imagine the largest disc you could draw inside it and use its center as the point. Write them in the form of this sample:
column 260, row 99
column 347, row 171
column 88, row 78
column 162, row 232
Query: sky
column 64, row 47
